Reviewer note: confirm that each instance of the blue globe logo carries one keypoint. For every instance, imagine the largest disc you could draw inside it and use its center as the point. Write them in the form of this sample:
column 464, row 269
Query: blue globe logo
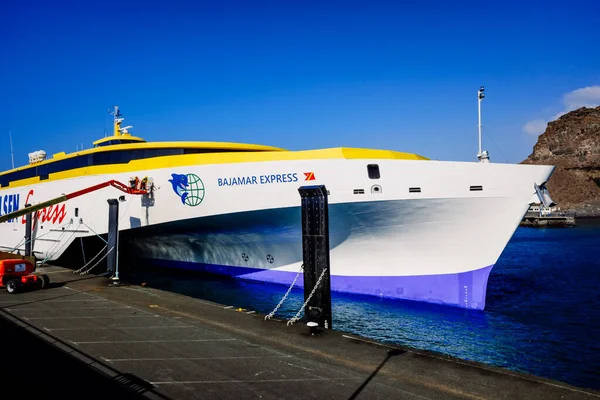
column 195, row 190
column 189, row 188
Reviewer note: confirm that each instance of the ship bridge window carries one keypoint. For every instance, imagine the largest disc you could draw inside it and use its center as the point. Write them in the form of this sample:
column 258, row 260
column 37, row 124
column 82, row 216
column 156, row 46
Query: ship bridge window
column 373, row 171
column 14, row 176
column 117, row 141
column 103, row 158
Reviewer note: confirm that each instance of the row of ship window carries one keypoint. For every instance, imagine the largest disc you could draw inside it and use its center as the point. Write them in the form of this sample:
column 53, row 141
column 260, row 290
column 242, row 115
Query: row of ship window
column 101, row 158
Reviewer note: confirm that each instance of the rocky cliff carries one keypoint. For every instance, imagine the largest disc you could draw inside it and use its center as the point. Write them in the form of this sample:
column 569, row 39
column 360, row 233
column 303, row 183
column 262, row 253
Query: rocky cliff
column 572, row 144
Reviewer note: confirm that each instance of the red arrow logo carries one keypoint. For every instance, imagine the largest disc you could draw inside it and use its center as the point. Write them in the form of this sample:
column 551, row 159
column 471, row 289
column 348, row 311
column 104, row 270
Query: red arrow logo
column 309, row 176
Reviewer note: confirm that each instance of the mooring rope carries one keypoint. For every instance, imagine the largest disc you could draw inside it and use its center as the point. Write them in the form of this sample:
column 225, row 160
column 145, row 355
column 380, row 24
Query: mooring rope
column 50, row 253
column 98, row 262
column 24, row 241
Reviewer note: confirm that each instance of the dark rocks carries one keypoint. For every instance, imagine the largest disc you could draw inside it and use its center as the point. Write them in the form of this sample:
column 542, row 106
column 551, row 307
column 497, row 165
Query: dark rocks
column 572, row 143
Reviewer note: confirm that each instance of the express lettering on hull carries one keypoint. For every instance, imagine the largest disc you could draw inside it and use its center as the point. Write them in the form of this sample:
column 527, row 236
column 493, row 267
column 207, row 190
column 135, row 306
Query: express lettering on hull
column 9, row 203
column 54, row 214
column 258, row 179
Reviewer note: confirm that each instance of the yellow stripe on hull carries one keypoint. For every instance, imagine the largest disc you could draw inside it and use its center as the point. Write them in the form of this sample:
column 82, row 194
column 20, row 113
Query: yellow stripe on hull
column 213, row 158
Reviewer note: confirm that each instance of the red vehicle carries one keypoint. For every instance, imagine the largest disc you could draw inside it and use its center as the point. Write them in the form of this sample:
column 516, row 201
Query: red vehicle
column 16, row 274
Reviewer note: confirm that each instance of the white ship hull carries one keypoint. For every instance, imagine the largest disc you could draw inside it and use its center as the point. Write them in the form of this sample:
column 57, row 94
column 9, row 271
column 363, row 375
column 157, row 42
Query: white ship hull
column 437, row 245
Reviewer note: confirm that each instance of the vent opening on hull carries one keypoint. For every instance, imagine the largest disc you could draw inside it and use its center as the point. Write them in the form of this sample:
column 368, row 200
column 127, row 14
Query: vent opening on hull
column 359, row 191
column 414, row 190
column 373, row 171
column 475, row 188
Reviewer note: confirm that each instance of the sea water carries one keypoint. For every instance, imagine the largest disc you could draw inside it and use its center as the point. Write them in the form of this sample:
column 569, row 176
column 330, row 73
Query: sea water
column 542, row 314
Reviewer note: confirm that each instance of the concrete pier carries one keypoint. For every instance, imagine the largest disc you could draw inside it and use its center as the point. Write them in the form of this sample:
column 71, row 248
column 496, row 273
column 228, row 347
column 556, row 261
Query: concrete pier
column 536, row 220
column 157, row 344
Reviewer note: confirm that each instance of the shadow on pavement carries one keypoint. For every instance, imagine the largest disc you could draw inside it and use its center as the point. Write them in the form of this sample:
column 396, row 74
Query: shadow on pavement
column 31, row 366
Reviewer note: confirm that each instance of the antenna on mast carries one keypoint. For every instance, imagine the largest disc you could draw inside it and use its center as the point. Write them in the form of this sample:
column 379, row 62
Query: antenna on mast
column 117, row 120
column 482, row 156
column 12, row 154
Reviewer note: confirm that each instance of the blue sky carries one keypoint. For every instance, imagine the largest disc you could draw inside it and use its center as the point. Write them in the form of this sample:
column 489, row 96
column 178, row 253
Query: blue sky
column 296, row 74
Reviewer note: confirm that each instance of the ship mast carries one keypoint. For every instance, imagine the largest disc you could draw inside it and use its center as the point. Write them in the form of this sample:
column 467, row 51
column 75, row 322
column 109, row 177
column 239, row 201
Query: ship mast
column 482, row 156
column 117, row 119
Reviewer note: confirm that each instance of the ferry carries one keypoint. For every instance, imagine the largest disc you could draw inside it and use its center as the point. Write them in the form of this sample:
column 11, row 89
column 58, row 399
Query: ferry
column 402, row 226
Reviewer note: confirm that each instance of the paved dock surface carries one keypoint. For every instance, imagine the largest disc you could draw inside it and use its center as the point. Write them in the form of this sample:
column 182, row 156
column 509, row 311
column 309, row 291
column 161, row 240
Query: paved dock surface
column 155, row 344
